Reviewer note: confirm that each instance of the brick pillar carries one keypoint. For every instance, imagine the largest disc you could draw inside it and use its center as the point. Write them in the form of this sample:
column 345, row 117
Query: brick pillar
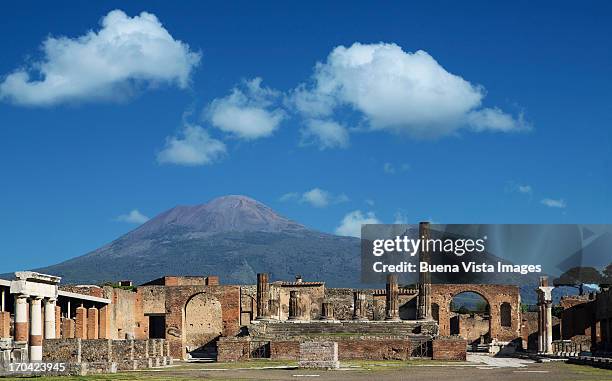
column 92, row 323
column 392, row 302
column 36, row 324
column 327, row 311
column 58, row 322
column 263, row 296
column 424, row 297
column 359, row 306
column 50, row 319
column 21, row 318
column 294, row 305
column 68, row 329
column 81, row 323
column 5, row 325
column 105, row 329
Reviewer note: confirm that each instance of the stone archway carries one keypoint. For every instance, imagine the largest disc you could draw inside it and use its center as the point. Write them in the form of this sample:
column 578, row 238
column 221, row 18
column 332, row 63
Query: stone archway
column 495, row 295
column 470, row 317
column 203, row 324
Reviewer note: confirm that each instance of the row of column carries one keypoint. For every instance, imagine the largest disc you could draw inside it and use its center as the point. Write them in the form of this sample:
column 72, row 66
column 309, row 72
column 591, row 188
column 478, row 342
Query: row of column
column 359, row 302
column 35, row 325
column 89, row 323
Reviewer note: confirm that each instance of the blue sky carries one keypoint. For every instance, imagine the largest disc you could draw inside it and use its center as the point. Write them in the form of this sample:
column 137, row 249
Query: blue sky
column 504, row 117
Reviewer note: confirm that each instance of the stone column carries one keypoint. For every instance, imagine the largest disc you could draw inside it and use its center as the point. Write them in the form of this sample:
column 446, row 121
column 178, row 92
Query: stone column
column 294, row 305
column 327, row 311
column 92, row 323
column 263, row 296
column 2, row 300
column 392, row 299
column 359, row 307
column 50, row 319
column 21, row 318
column 545, row 316
column 424, row 298
column 36, row 323
column 81, row 323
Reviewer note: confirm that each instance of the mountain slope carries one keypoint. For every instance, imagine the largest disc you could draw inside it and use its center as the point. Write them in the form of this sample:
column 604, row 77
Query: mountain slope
column 233, row 237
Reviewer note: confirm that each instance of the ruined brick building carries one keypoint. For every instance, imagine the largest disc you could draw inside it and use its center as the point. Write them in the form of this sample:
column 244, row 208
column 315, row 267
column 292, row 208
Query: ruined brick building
column 191, row 316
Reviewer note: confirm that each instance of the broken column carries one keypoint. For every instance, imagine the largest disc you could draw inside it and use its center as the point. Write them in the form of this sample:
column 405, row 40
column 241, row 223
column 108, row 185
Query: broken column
column 263, row 296
column 5, row 324
column 424, row 297
column 68, row 329
column 50, row 318
column 21, row 318
column 294, row 305
column 80, row 331
column 58, row 321
column 392, row 299
column 92, row 323
column 104, row 332
column 359, row 306
column 36, row 324
column 544, row 316
column 327, row 311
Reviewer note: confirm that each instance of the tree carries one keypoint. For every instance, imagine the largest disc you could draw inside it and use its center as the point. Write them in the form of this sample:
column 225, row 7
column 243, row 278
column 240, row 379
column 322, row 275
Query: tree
column 578, row 277
column 607, row 275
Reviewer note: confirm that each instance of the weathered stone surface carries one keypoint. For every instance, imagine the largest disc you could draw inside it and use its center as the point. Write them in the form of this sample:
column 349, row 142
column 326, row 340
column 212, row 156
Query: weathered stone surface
column 449, row 348
column 319, row 354
column 233, row 349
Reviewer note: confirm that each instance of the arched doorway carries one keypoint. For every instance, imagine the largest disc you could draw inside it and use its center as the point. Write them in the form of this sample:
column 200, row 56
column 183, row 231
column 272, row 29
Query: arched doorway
column 470, row 317
column 203, row 325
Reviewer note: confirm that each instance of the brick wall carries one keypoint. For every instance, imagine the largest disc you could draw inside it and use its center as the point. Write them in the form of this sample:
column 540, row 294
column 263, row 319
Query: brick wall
column 233, row 349
column 284, row 350
column 449, row 348
column 318, row 354
column 5, row 324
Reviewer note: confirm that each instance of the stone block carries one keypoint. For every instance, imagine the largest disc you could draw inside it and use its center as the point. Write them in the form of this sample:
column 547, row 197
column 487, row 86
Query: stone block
column 319, row 354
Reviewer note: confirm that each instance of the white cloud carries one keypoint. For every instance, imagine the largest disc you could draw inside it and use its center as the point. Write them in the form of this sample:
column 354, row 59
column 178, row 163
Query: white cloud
column 289, row 196
column 351, row 223
column 193, row 147
column 316, row 197
column 398, row 91
column 390, row 168
column 554, row 203
column 247, row 112
column 525, row 189
column 133, row 217
column 325, row 134
column 127, row 52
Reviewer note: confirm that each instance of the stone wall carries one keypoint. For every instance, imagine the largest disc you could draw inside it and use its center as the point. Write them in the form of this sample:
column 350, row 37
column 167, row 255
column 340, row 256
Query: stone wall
column 449, row 348
column 153, row 299
column 118, row 354
column 319, row 354
column 233, row 349
column 284, row 350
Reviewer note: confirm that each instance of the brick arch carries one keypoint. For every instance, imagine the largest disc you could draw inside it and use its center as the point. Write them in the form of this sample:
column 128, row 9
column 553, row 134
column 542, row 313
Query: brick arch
column 495, row 295
column 177, row 298
column 202, row 321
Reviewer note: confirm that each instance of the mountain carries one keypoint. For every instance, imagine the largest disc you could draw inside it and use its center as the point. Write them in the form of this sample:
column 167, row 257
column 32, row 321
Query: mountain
column 234, row 237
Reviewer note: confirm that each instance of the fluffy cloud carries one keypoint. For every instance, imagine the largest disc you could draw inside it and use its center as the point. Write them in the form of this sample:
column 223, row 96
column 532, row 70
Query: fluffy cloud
column 193, row 147
column 554, row 203
column 325, row 133
column 525, row 189
column 248, row 112
column 127, row 52
column 316, row 197
column 398, row 91
column 351, row 223
column 133, row 217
